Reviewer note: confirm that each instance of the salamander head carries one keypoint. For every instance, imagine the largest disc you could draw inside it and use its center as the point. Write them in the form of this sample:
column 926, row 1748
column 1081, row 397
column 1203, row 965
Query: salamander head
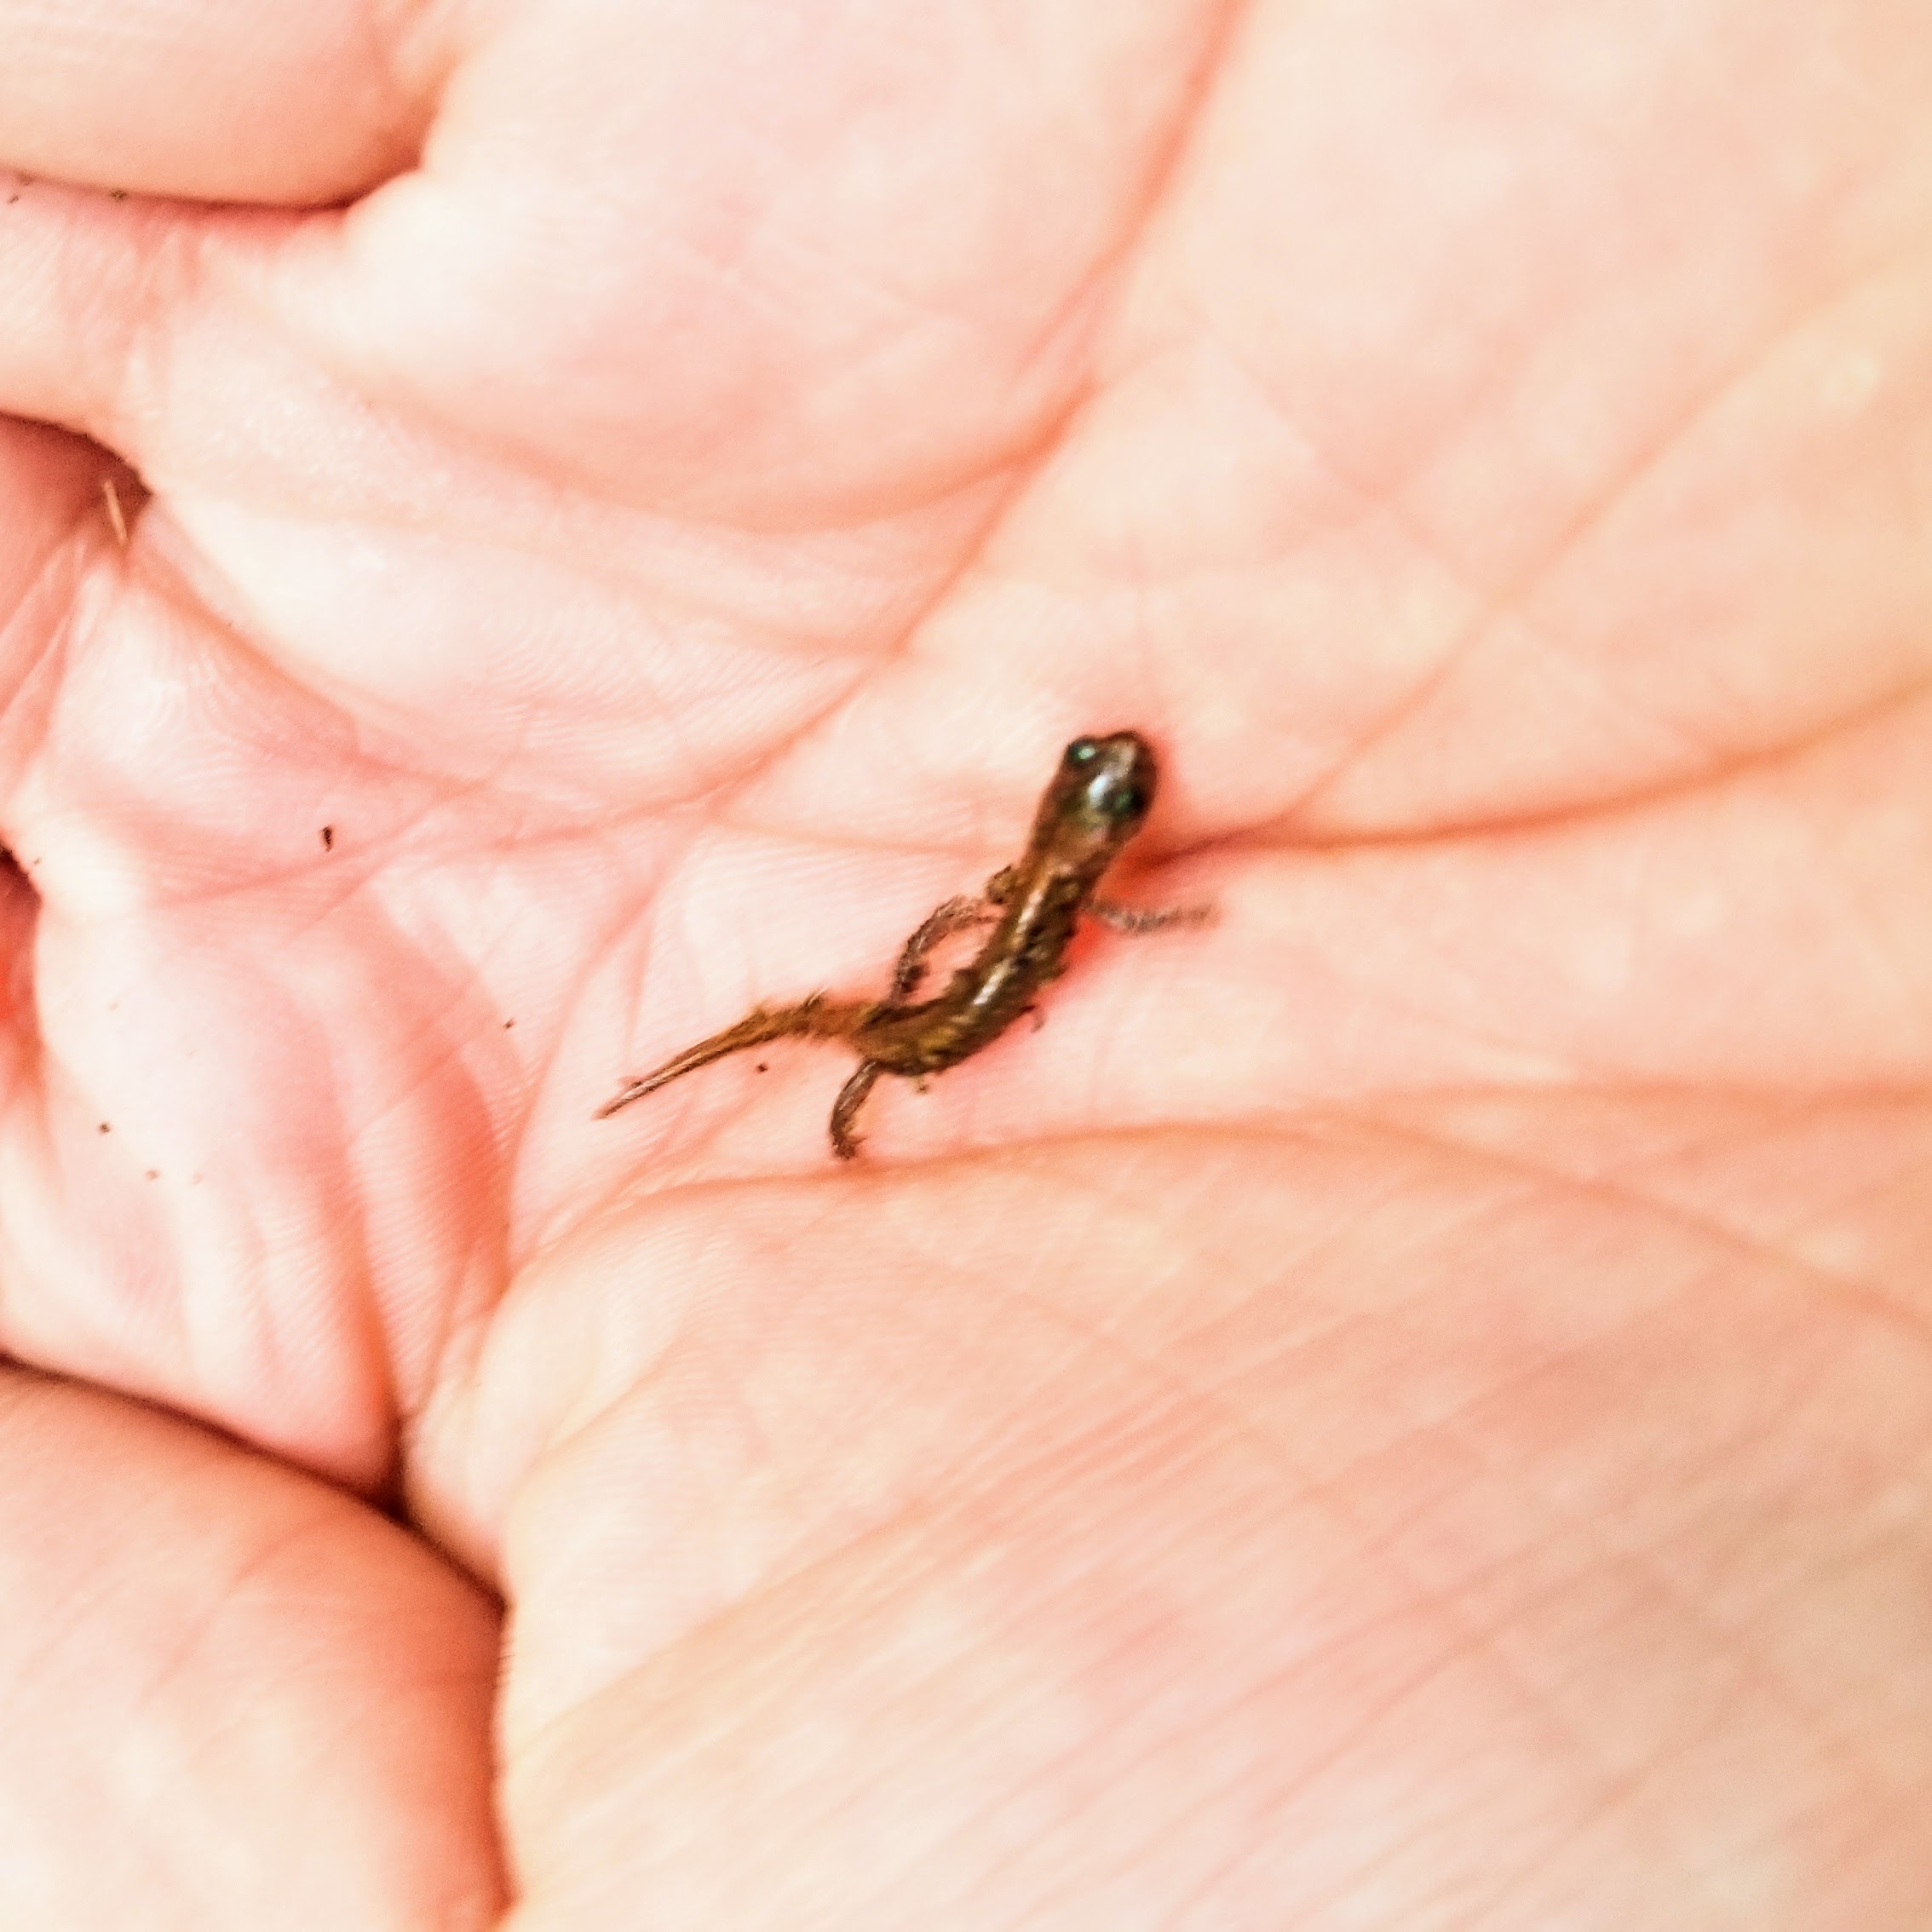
column 1098, row 798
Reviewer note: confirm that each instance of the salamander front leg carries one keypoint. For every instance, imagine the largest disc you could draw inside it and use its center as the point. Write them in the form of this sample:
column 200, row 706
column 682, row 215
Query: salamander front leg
column 1146, row 918
column 955, row 915
column 851, row 1098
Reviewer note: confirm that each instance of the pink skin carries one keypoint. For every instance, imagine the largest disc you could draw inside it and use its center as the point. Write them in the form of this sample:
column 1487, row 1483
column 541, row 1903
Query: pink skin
column 1408, row 1405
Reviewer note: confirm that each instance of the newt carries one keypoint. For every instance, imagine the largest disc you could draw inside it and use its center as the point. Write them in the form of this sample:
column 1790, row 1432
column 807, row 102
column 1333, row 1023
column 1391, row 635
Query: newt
column 1096, row 800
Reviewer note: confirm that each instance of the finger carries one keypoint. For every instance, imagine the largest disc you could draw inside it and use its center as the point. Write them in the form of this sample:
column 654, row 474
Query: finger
column 233, row 1695
column 665, row 247
column 53, row 517
column 219, row 99
column 51, row 489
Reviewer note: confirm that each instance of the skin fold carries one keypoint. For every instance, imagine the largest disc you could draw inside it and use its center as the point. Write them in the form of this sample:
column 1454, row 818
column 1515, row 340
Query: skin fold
column 527, row 531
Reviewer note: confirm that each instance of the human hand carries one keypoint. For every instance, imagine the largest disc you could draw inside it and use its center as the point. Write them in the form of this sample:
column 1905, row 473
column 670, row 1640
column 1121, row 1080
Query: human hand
column 1404, row 1402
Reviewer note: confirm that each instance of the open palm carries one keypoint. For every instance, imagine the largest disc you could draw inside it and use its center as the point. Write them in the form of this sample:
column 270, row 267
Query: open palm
column 1409, row 1405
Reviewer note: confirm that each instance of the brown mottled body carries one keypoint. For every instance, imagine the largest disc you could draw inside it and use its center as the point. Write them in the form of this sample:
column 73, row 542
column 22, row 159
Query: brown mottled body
column 1096, row 802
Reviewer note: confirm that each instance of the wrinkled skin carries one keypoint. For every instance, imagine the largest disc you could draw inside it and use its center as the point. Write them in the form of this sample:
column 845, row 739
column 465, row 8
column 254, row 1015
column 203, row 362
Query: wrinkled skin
column 1410, row 1406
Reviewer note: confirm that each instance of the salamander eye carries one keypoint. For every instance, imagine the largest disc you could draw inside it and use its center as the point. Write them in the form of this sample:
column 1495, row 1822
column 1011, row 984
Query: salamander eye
column 1082, row 752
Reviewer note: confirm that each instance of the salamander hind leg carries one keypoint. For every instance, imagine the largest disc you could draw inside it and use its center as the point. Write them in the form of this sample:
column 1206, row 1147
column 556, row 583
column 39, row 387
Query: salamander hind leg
column 851, row 1098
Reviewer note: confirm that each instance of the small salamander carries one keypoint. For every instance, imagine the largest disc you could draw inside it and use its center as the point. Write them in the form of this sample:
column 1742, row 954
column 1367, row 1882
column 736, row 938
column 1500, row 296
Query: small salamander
column 1095, row 802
